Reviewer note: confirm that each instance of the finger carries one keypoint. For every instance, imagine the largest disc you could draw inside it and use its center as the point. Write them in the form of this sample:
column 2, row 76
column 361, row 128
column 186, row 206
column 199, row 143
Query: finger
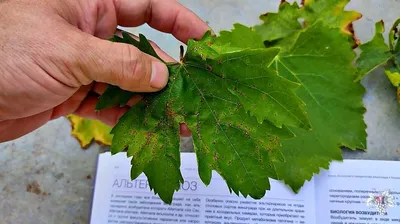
column 109, row 116
column 134, row 100
column 14, row 129
column 99, row 88
column 71, row 104
column 164, row 15
column 185, row 131
column 120, row 65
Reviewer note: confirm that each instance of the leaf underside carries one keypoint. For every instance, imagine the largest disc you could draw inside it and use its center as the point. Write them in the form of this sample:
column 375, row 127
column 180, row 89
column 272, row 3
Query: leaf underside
column 277, row 100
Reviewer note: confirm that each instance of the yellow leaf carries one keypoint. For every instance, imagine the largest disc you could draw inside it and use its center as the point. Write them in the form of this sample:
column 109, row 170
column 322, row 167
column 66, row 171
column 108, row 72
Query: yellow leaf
column 394, row 77
column 85, row 131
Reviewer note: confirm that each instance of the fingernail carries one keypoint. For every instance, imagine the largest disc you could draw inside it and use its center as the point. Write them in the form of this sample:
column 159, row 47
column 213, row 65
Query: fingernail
column 159, row 75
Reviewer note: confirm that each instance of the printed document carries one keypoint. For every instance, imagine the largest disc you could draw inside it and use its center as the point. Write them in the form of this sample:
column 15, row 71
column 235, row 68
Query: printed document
column 351, row 192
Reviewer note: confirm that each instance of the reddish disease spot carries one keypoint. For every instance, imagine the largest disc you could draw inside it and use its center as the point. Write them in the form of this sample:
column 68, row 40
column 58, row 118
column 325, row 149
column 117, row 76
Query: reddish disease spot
column 398, row 94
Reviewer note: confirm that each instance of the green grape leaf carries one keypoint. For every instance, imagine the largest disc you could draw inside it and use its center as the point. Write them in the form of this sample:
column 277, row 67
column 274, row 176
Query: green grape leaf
column 268, row 97
column 113, row 96
column 282, row 28
column 374, row 53
column 331, row 12
column 320, row 57
column 321, row 60
column 245, row 37
column 393, row 74
column 237, row 108
column 280, row 25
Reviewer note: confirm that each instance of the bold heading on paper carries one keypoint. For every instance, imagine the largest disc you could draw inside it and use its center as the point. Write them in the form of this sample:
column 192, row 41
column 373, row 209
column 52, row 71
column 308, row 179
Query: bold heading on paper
column 144, row 184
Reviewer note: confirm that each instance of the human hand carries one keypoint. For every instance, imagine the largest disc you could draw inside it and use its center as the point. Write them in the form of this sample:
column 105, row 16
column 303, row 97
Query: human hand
column 53, row 56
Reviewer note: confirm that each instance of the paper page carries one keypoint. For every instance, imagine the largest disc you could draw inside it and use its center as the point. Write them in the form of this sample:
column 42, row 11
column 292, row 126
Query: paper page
column 342, row 192
column 118, row 200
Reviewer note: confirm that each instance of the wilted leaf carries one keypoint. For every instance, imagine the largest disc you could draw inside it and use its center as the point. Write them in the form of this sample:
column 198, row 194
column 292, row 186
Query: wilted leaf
column 85, row 131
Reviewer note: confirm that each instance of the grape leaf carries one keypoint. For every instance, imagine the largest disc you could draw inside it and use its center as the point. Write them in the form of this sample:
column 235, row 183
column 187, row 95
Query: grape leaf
column 280, row 25
column 113, row 96
column 373, row 53
column 278, row 104
column 85, row 131
column 376, row 53
column 282, row 28
column 321, row 60
column 331, row 12
column 394, row 76
column 237, row 109
column 319, row 56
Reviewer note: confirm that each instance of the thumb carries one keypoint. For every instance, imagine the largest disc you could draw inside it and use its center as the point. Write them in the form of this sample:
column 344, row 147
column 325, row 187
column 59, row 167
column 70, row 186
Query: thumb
column 123, row 65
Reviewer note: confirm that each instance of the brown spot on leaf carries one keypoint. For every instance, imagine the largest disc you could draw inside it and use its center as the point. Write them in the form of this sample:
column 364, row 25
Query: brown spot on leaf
column 215, row 156
column 382, row 22
column 350, row 30
column 398, row 94
column 88, row 177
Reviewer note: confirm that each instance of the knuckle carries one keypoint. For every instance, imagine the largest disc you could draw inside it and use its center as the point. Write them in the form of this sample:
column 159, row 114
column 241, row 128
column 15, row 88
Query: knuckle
column 130, row 62
column 136, row 65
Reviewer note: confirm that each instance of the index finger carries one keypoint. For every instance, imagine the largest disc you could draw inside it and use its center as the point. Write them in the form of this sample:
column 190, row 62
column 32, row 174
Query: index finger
column 167, row 16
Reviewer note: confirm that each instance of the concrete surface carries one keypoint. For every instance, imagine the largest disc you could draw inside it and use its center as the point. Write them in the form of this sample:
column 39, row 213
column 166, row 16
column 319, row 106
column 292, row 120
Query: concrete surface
column 45, row 177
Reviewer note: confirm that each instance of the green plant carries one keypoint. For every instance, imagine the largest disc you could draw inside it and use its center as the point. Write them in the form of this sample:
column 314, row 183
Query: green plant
column 277, row 100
